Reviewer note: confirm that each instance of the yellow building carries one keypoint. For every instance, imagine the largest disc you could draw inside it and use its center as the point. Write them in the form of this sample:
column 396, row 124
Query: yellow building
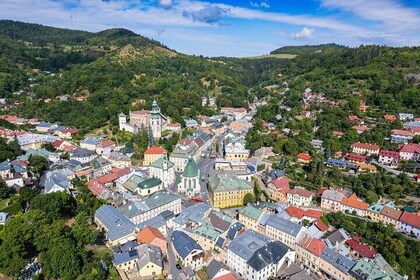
column 152, row 154
column 226, row 190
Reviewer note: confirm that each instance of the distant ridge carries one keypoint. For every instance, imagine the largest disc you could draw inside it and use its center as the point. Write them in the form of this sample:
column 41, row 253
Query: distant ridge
column 306, row 49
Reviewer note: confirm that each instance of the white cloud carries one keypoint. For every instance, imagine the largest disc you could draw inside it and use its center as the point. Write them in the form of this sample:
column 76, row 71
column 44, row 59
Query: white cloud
column 265, row 5
column 305, row 33
column 254, row 4
column 166, row 3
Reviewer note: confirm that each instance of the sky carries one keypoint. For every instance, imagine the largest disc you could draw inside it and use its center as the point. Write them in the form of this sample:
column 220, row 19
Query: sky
column 236, row 28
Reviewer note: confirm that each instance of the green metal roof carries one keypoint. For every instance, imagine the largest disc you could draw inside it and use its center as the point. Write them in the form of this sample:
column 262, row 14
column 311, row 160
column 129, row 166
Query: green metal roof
column 251, row 212
column 159, row 163
column 191, row 169
column 149, row 183
column 207, row 231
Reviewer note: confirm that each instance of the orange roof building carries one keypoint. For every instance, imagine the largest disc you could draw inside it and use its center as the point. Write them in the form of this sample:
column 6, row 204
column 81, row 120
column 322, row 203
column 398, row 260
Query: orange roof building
column 353, row 203
column 152, row 154
column 390, row 118
column 151, row 235
column 304, row 158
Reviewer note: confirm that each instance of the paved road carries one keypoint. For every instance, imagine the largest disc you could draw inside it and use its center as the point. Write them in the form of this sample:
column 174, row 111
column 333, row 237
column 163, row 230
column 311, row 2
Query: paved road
column 171, row 258
column 206, row 166
column 389, row 169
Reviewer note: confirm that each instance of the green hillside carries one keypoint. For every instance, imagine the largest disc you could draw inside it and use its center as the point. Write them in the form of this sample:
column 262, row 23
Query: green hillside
column 306, row 49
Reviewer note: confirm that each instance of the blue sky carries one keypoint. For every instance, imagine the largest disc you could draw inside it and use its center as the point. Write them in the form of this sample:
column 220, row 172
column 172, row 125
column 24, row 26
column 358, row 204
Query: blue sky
column 234, row 28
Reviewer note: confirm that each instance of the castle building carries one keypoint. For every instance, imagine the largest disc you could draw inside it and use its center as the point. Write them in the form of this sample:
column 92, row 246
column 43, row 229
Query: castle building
column 153, row 120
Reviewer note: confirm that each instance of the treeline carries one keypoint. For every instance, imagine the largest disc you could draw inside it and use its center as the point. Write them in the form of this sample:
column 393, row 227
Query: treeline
column 57, row 229
column 399, row 251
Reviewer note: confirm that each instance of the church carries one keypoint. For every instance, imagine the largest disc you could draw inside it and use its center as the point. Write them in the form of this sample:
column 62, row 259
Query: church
column 152, row 120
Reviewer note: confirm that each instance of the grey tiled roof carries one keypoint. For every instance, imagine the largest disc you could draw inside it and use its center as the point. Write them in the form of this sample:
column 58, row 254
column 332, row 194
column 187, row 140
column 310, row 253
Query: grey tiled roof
column 338, row 260
column 184, row 244
column 271, row 253
column 284, row 225
column 117, row 224
column 246, row 244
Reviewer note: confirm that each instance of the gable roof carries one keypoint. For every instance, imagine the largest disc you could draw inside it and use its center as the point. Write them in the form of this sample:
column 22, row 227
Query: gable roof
column 391, row 212
column 251, row 212
column 339, row 261
column 155, row 150
column 365, row 146
column 148, row 234
column 280, row 183
column 184, row 244
column 270, row 253
column 354, row 202
column 411, row 219
column 247, row 243
column 356, row 244
column 301, row 192
column 284, row 225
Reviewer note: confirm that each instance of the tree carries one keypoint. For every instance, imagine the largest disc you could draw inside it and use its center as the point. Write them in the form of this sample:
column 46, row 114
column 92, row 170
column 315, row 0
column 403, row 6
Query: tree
column 249, row 198
column 48, row 146
column 82, row 230
column 4, row 189
column 38, row 163
column 55, row 205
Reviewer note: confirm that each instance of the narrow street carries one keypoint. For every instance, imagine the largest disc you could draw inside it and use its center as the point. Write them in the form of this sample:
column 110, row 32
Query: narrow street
column 171, row 258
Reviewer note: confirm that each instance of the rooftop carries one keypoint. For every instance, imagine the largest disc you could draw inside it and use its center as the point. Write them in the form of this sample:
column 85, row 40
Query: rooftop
column 284, row 225
column 184, row 244
column 246, row 244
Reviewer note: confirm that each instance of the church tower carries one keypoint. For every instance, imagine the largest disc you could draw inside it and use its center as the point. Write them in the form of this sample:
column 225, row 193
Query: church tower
column 156, row 121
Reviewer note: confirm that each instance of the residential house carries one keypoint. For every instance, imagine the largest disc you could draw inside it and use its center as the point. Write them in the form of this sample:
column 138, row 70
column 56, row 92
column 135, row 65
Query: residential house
column 401, row 136
column 55, row 181
column 192, row 216
column 300, row 197
column 100, row 166
column 390, row 118
column 405, row 116
column 335, row 264
column 374, row 268
column 292, row 271
column 187, row 250
column 216, row 271
column 163, row 169
column 249, row 216
column 67, row 133
column 284, row 230
column 308, row 253
column 105, row 147
column 190, row 179
column 238, row 113
column 337, row 163
column 410, row 223
column 278, row 189
column 365, row 149
column 304, row 158
column 34, row 141
column 390, row 216
column 297, row 214
column 82, row 155
column 331, row 200
column 151, row 235
column 410, row 151
column 206, row 235
column 355, row 158
column 118, row 228
column 356, row 245
column 388, row 157
column 119, row 160
column 90, row 143
column 4, row 217
column 227, row 190
column 353, row 204
column 373, row 212
column 183, row 150
column 152, row 154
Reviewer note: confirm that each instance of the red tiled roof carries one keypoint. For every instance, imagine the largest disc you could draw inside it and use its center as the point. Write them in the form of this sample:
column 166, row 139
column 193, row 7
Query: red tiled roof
column 148, row 234
column 155, row 150
column 410, row 148
column 301, row 192
column 228, row 276
column 313, row 213
column 304, row 156
column 57, row 143
column 353, row 202
column 95, row 187
column 366, row 146
column 387, row 153
column 401, row 132
column 392, row 213
column 141, row 112
column 199, row 141
column 116, row 173
column 360, row 127
column 356, row 245
column 280, row 183
column 355, row 157
column 338, row 133
column 390, row 118
column 320, row 225
column 70, row 130
column 299, row 213
column 184, row 141
column 106, row 143
column 411, row 219
column 316, row 247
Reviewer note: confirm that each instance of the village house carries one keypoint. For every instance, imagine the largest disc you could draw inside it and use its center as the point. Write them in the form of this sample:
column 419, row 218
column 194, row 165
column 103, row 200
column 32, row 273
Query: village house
column 410, row 224
column 365, row 149
column 152, row 236
column 390, row 118
column 278, row 189
column 353, row 204
column 249, row 217
column 410, row 151
column 373, row 212
column 287, row 232
column 119, row 160
column 152, row 154
column 304, row 158
column 90, row 143
column 335, row 264
column 299, row 197
column 390, row 216
column 238, row 113
column 388, row 157
column 82, row 155
column 331, row 200
column 105, row 147
column 308, row 253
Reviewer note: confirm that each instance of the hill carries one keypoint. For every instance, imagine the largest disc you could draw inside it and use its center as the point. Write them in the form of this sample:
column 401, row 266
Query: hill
column 113, row 68
column 304, row 50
